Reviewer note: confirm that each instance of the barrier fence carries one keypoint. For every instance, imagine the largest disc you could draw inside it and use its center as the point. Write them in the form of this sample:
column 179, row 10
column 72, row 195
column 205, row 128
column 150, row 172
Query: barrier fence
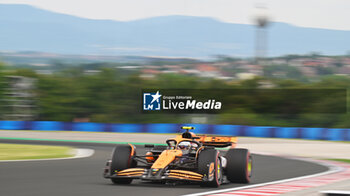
column 333, row 134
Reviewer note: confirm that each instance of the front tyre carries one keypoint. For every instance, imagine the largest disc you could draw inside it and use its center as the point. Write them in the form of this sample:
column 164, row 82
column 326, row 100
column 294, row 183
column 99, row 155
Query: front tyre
column 209, row 164
column 122, row 159
column 239, row 165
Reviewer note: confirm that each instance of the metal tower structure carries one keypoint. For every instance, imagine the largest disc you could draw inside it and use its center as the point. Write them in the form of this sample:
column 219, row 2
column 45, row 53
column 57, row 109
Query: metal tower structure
column 261, row 20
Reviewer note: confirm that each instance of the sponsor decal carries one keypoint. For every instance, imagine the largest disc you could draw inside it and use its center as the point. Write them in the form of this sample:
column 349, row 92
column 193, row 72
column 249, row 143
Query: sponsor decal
column 211, row 171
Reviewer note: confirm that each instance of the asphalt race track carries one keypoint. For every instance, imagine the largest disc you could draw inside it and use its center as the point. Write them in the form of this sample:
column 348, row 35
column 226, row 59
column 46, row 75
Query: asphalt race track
column 84, row 176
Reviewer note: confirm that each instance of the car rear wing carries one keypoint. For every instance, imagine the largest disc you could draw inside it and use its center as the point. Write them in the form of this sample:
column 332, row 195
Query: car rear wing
column 218, row 141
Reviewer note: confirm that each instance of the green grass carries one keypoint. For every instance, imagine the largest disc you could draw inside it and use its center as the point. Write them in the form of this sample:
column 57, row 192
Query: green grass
column 24, row 151
column 341, row 160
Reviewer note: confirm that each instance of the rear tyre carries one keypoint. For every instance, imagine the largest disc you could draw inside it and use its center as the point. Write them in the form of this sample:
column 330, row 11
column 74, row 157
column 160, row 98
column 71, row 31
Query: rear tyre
column 209, row 164
column 158, row 149
column 239, row 165
column 121, row 159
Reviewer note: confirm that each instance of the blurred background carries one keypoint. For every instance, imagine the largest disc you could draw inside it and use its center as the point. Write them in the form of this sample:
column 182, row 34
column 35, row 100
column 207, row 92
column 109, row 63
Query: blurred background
column 88, row 61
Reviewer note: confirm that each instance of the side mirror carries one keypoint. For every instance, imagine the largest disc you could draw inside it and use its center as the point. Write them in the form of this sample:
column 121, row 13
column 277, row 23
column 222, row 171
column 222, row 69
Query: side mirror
column 149, row 145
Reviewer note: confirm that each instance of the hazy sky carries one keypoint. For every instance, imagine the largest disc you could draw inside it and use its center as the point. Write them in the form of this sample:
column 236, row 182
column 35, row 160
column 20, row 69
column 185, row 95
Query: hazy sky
column 332, row 14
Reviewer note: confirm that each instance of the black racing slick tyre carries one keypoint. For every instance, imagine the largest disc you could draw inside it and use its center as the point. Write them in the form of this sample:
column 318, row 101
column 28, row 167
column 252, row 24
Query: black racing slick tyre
column 158, row 149
column 209, row 164
column 122, row 159
column 239, row 165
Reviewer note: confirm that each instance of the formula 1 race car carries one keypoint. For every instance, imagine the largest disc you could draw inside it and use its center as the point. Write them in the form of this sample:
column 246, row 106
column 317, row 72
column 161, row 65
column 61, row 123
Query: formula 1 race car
column 186, row 157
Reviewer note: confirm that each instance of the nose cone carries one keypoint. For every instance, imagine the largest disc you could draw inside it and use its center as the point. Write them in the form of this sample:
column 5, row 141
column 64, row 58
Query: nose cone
column 165, row 158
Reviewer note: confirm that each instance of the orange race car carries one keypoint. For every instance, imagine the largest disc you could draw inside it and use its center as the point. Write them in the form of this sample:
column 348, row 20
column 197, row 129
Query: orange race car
column 186, row 157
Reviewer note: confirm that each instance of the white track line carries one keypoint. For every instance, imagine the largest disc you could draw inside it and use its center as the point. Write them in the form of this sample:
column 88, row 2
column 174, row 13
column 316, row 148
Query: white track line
column 331, row 169
column 336, row 192
column 78, row 153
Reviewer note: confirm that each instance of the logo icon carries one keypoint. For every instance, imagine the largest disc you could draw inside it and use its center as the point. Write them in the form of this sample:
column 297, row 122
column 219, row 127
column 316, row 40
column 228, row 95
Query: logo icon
column 151, row 101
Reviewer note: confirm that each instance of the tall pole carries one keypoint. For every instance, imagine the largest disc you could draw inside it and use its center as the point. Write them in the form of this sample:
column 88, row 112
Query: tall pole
column 261, row 21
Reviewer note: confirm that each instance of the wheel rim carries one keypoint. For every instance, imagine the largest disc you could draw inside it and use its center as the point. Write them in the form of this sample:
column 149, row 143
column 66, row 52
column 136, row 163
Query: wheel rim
column 249, row 167
column 219, row 172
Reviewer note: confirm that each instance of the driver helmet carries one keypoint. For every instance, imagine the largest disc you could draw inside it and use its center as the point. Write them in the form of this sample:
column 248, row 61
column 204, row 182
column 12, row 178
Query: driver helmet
column 184, row 145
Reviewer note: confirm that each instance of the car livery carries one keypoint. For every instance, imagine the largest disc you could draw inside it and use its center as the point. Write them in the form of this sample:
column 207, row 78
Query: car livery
column 186, row 157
